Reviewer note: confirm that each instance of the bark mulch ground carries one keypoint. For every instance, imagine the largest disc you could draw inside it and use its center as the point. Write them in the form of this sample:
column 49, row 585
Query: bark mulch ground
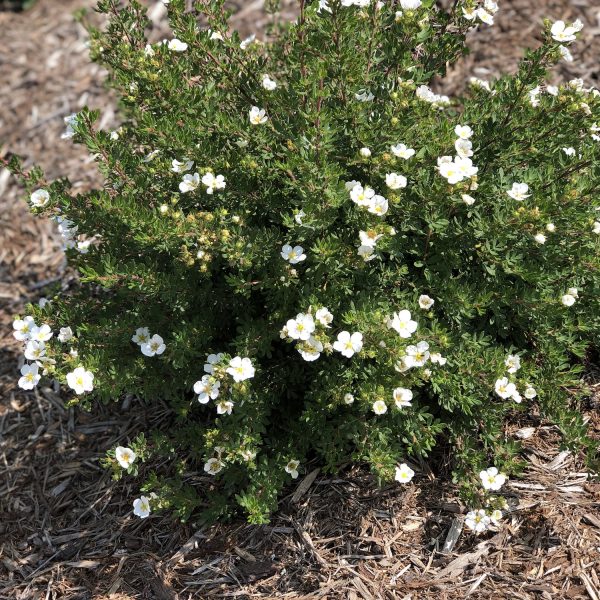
column 66, row 530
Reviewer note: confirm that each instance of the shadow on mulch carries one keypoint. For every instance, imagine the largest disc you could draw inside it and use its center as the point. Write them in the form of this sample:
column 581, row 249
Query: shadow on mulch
column 66, row 529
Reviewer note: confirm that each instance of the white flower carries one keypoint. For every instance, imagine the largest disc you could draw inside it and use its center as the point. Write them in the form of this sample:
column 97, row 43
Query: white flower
column 43, row 302
column 310, row 349
column 301, row 328
column 155, row 345
column 216, row 35
column 257, row 116
column 324, row 316
column 150, row 156
column 149, row 50
column 41, row 334
column 437, row 358
column 596, row 227
column 83, row 246
column 268, row 83
column 299, row 216
column 496, row 516
column 464, row 148
column 569, row 151
column 534, row 96
column 207, row 388
column 211, row 361
column 561, row 33
column 485, row 16
column 246, row 42
column 540, row 238
column 477, row 520
column 189, row 183
column 513, row 362
column 39, row 198
column 65, row 334
column 504, row 388
column 369, row 238
column 402, row 397
column 568, row 299
column 213, row 183
column 410, row 4
column 323, row 6
column 573, row 292
column 464, row 132
column 292, row 255
column 468, row 200
column 395, row 181
column 35, row 350
column 240, row 369
column 177, row 45
column 530, row 392
column 378, row 206
column 491, row 479
column 141, row 336
column 450, row 170
column 366, row 252
column 22, row 328
column 141, row 507
column 402, row 151
column 362, row 196
column 552, row 90
column 348, row 399
column 519, row 191
column 417, row 356
column 80, row 380
column 181, row 166
column 379, row 407
column 292, row 468
column 70, row 122
column 213, row 466
column 402, row 323
column 348, row 344
column 551, row 227
column 125, row 456
column 365, row 152
column 350, row 185
column 364, row 96
column 404, row 473
column 425, row 302
column 248, row 454
column 517, row 397
column 29, row 377
column 224, row 407
column 465, row 167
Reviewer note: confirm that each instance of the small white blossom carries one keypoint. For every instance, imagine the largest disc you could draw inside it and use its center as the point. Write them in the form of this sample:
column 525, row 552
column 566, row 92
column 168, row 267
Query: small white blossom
column 348, row 344
column 402, row 323
column 404, row 473
column 177, row 45
column 402, row 151
column 496, row 517
column 596, row 227
column 530, row 392
column 211, row 361
column 365, row 152
column 348, row 398
column 268, row 83
column 292, row 255
column 402, row 397
column 464, row 132
column 491, row 479
column 22, row 328
column 300, row 328
column 247, row 41
column 257, row 116
column 141, row 336
column 155, row 345
column 41, row 334
column 362, row 196
column 378, row 206
column 323, row 5
column 149, row 50
column 369, row 238
column 562, row 33
column 568, row 299
column 181, row 166
column 464, row 148
column 224, row 407
column 379, row 407
column 519, row 191
column 366, row 252
column 417, row 356
column 213, row 466
column 551, row 227
column 513, row 362
column 241, row 369
column 425, row 302
column 477, row 520
column 35, row 350
column 504, row 388
column 292, row 468
column 39, row 198
column 310, row 349
column 395, row 181
column 364, row 96
column 80, row 380
column 540, row 238
column 125, row 456
column 65, row 334
column 189, row 183
column 569, row 151
column 70, row 122
column 29, row 377
column 207, row 389
column 324, row 316
column 437, row 358
column 213, row 182
column 141, row 507
column 468, row 200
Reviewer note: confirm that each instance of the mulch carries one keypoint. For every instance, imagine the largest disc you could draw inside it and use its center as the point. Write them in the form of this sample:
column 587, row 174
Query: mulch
column 66, row 529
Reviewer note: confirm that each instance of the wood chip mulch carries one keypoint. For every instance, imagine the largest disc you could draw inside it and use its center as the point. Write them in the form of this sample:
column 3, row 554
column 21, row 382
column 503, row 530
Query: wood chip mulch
column 66, row 530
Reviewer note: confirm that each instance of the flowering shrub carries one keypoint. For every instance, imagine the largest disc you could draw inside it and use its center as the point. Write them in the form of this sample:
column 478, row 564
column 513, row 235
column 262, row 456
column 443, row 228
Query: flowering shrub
column 310, row 254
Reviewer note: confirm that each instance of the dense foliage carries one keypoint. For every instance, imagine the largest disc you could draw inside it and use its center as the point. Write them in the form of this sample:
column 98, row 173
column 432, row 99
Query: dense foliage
column 310, row 254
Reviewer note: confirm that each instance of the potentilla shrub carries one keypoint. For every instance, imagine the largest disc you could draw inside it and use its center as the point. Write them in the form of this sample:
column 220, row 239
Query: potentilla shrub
column 311, row 255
